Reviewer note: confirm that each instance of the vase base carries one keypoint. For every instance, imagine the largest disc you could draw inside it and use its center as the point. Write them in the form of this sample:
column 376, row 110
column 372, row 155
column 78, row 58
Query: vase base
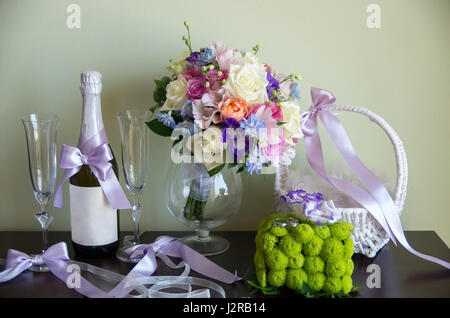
column 209, row 246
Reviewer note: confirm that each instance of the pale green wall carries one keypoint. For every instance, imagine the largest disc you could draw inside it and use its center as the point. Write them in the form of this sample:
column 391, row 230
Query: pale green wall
column 400, row 71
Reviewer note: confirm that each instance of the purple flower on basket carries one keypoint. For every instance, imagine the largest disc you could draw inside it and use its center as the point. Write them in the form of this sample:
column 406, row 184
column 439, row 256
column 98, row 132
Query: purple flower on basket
column 186, row 110
column 193, row 58
column 314, row 207
column 255, row 162
column 302, row 197
column 166, row 120
column 196, row 88
column 205, row 56
column 252, row 124
column 273, row 85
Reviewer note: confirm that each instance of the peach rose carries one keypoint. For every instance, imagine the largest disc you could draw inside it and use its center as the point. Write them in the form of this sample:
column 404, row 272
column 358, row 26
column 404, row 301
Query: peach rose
column 233, row 108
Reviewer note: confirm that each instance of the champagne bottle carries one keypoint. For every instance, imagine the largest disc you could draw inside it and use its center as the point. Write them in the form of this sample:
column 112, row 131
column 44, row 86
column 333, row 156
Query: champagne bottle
column 94, row 223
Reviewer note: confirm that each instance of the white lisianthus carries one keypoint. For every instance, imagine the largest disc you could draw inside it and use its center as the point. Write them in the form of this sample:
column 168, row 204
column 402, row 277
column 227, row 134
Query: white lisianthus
column 292, row 119
column 207, row 147
column 180, row 65
column 176, row 94
column 248, row 81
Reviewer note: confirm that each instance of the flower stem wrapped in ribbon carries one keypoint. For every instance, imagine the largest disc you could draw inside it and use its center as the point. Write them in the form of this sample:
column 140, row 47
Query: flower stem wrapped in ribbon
column 376, row 199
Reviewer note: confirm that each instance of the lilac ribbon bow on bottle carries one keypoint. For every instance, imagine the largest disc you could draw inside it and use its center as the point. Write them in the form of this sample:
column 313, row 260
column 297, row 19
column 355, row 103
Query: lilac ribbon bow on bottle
column 376, row 199
column 95, row 153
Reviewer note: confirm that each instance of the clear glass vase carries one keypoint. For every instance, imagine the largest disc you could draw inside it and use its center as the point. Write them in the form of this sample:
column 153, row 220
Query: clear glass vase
column 202, row 203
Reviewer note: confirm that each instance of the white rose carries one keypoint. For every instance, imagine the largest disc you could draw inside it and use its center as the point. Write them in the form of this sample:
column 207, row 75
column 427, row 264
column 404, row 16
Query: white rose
column 176, row 94
column 207, row 147
column 248, row 81
column 292, row 119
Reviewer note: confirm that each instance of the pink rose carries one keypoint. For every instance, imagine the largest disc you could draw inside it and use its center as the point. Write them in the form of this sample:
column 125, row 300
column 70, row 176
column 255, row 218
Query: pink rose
column 196, row 88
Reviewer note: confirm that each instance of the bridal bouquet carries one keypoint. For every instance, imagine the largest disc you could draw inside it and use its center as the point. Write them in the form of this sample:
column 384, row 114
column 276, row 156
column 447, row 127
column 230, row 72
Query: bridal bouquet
column 226, row 108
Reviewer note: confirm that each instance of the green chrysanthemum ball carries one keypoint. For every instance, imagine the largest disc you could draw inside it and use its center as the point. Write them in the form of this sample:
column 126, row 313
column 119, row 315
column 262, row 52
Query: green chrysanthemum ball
column 307, row 255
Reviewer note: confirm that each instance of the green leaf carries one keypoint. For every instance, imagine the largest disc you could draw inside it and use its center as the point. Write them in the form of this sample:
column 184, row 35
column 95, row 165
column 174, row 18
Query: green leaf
column 280, row 123
column 162, row 83
column 216, row 170
column 241, row 168
column 159, row 128
column 269, row 290
column 154, row 107
column 159, row 95
column 232, row 164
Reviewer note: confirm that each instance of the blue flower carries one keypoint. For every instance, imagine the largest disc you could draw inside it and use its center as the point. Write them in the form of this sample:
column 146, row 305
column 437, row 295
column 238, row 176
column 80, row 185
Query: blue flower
column 252, row 124
column 190, row 126
column 295, row 91
column 166, row 120
column 205, row 56
column 254, row 162
column 186, row 110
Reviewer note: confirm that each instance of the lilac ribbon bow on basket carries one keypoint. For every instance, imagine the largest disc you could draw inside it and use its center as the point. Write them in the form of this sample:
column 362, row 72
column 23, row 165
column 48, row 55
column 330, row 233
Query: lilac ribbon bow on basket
column 57, row 259
column 95, row 153
column 376, row 199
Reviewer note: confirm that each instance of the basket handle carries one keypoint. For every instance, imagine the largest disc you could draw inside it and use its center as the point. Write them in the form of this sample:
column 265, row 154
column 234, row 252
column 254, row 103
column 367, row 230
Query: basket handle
column 400, row 154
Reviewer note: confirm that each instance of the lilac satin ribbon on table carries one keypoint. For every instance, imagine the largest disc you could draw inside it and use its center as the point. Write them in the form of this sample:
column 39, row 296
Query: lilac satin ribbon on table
column 95, row 153
column 377, row 200
column 171, row 247
column 57, row 259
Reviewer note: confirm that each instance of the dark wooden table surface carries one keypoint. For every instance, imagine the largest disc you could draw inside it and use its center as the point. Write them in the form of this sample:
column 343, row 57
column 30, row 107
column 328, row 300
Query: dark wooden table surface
column 402, row 274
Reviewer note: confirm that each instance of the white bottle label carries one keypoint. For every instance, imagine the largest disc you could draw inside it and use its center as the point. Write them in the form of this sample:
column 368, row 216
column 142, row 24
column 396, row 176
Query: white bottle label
column 93, row 220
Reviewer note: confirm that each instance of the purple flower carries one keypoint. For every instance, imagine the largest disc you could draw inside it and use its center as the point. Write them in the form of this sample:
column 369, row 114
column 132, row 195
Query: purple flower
column 193, row 58
column 302, row 197
column 229, row 123
column 166, row 120
column 237, row 142
column 196, row 88
column 273, row 85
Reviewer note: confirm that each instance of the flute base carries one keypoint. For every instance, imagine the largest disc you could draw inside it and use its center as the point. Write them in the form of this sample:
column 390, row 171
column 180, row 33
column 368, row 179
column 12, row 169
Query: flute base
column 38, row 268
column 128, row 242
column 205, row 244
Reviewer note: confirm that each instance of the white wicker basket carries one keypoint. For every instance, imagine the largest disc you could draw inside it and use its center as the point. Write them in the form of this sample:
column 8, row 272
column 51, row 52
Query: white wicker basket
column 369, row 237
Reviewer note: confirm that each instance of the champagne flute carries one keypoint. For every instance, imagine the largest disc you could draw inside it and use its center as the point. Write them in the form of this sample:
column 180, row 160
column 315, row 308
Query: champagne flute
column 135, row 160
column 40, row 132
